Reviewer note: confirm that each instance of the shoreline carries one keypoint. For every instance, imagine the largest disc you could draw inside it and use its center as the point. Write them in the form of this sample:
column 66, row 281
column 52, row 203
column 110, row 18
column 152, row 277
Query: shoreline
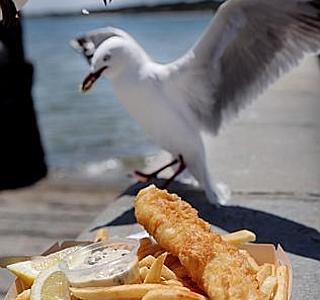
column 180, row 7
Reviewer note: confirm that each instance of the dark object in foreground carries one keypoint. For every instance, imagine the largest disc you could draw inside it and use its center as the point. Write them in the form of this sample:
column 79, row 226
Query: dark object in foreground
column 22, row 160
column 9, row 12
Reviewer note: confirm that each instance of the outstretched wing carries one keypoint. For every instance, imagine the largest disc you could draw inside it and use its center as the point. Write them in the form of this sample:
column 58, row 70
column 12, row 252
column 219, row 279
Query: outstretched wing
column 89, row 42
column 247, row 47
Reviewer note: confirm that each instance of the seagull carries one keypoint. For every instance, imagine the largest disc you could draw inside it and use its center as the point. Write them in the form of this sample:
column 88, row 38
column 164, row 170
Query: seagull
column 248, row 45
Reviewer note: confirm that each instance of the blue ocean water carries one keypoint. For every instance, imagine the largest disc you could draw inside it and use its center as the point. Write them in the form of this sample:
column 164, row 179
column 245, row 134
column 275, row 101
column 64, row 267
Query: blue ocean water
column 79, row 130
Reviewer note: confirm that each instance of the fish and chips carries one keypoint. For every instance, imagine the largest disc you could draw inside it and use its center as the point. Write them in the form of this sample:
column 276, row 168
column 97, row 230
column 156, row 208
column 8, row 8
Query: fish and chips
column 184, row 259
column 216, row 265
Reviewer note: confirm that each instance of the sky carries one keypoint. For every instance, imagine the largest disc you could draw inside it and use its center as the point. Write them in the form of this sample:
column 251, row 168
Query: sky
column 37, row 6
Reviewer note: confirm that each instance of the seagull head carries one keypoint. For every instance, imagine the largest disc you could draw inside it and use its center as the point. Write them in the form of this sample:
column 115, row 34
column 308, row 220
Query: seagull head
column 112, row 58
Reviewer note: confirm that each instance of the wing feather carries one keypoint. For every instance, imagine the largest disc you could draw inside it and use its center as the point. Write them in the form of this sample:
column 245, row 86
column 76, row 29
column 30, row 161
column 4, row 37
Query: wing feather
column 247, row 47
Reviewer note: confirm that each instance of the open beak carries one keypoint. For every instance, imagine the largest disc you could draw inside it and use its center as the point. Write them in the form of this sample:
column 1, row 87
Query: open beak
column 105, row 1
column 91, row 79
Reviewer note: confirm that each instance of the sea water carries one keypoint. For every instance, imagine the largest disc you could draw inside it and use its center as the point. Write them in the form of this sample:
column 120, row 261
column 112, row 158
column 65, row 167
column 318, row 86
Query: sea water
column 92, row 133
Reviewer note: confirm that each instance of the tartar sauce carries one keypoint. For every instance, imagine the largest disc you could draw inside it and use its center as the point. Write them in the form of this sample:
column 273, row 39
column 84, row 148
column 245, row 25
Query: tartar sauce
column 103, row 264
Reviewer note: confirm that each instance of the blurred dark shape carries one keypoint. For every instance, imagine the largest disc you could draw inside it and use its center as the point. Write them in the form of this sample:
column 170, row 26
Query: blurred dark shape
column 22, row 161
column 9, row 12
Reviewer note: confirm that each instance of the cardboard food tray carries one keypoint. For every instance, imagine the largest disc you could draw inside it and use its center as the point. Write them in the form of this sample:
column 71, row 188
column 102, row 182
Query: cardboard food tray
column 262, row 253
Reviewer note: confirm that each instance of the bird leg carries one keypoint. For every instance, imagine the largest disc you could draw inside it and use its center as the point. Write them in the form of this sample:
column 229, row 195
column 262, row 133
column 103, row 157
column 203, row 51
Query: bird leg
column 143, row 177
column 181, row 168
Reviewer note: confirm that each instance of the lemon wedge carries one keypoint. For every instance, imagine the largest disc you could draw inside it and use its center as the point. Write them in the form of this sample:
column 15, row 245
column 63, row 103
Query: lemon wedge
column 27, row 271
column 51, row 284
column 24, row 271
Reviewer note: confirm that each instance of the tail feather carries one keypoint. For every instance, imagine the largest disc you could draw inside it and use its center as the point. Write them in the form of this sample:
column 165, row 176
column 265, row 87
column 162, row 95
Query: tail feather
column 216, row 193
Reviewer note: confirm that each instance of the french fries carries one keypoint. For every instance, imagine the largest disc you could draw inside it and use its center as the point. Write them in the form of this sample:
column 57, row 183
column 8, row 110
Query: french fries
column 120, row 292
column 147, row 261
column 239, row 237
column 165, row 272
column 164, row 278
column 268, row 286
column 283, row 279
column 154, row 274
column 25, row 295
column 253, row 264
column 143, row 273
column 172, row 282
column 264, row 272
column 172, row 294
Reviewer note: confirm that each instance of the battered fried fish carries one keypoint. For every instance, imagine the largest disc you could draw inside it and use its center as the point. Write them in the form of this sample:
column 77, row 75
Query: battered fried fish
column 216, row 266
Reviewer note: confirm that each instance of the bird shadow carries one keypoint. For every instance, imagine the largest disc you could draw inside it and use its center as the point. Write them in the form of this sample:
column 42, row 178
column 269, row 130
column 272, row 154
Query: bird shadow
column 295, row 238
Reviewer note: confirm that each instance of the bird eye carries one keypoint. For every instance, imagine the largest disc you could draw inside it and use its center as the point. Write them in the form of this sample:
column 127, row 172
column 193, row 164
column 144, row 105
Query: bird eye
column 106, row 57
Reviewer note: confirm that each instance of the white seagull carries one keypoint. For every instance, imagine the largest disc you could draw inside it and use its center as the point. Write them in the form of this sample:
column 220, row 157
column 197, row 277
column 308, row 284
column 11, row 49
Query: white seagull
column 247, row 46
